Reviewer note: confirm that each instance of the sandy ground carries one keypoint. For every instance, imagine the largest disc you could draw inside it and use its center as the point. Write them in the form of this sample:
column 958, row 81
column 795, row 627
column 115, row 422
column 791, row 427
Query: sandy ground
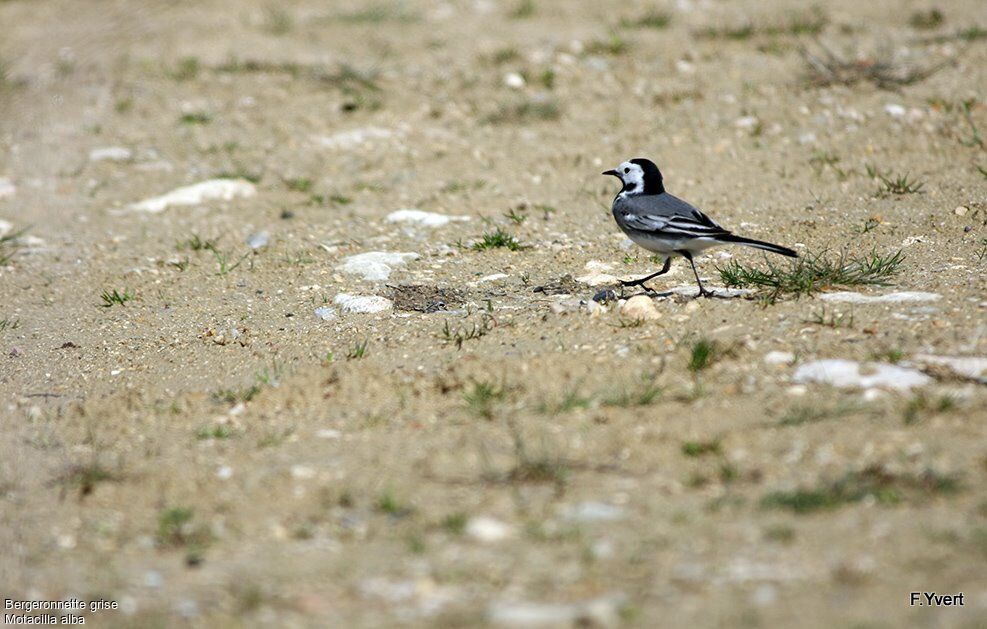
column 233, row 446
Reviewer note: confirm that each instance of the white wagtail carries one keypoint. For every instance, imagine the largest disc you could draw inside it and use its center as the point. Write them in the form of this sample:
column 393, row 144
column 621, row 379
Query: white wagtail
column 667, row 225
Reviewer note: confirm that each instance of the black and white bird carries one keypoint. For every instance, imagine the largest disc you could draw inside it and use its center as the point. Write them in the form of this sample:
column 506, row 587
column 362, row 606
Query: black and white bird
column 665, row 224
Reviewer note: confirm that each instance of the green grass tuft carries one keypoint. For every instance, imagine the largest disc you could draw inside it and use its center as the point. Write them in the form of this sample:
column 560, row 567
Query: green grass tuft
column 652, row 19
column 927, row 20
column 388, row 504
column 700, row 448
column 813, row 273
column 703, row 355
column 482, row 398
column 216, row 431
column 455, row 523
column 535, row 108
column 523, row 10
column 646, row 393
column 613, row 45
column 188, row 69
column 196, row 118
column 896, row 184
column 379, row 13
column 10, row 245
column 497, row 239
column 886, row 487
column 115, row 297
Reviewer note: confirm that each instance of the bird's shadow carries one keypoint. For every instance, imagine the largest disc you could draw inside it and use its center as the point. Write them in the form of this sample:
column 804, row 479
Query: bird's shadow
column 688, row 292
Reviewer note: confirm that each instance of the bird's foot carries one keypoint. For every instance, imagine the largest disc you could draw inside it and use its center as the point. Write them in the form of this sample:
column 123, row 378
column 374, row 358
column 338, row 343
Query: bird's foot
column 629, row 283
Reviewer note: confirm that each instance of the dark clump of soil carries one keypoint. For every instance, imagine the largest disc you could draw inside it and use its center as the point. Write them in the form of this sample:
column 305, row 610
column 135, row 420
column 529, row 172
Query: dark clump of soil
column 426, row 298
column 565, row 285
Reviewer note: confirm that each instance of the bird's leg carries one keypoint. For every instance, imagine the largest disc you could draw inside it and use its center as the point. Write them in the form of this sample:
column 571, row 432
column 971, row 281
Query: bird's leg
column 640, row 282
column 702, row 290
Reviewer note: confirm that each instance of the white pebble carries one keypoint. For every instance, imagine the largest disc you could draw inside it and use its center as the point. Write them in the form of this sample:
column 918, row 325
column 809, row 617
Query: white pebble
column 214, row 189
column 974, row 367
column 851, row 374
column 514, row 81
column 362, row 304
column 858, row 298
column 894, row 110
column 488, row 530
column 593, row 512
column 111, row 154
column 7, row 188
column 258, row 240
column 746, row 122
column 425, row 219
column 325, row 313
column 640, row 308
column 492, row 278
column 375, row 265
column 779, row 358
column 353, row 138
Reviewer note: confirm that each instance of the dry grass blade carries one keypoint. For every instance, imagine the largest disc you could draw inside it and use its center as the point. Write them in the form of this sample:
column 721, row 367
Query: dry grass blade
column 829, row 68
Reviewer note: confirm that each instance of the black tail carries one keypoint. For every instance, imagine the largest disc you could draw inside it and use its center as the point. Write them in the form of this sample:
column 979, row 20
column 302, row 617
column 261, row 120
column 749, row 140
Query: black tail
column 758, row 244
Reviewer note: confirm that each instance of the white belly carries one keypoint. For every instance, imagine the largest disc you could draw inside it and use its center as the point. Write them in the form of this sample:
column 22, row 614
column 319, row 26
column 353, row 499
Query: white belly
column 667, row 246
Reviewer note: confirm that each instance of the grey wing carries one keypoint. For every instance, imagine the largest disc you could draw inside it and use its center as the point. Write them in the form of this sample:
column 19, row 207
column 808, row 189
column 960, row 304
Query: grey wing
column 667, row 214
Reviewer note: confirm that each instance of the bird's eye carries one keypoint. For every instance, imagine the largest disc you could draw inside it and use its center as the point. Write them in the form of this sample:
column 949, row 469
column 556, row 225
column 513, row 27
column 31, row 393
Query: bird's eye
column 627, row 170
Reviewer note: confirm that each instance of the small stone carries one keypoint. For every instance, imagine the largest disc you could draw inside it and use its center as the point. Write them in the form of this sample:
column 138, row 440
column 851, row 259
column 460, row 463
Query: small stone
column 375, row 265
column 894, row 110
column 898, row 297
column 153, row 579
column 594, row 512
column 492, row 278
column 425, row 219
column 354, row 138
column 640, row 308
column 850, row 374
column 111, row 154
column 600, row 612
column 746, row 122
column 187, row 607
column 325, row 313
column 765, row 594
column 961, row 210
column 488, row 530
column 214, row 189
column 258, row 240
column 779, row 358
column 565, row 285
column 362, row 304
column 225, row 472
column 606, row 295
column 7, row 188
column 683, row 66
column 514, row 81
column 973, row 367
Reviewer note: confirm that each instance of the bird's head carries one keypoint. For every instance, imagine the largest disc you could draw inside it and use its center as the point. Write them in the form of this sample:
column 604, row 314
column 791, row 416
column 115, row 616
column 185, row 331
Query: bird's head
column 639, row 176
